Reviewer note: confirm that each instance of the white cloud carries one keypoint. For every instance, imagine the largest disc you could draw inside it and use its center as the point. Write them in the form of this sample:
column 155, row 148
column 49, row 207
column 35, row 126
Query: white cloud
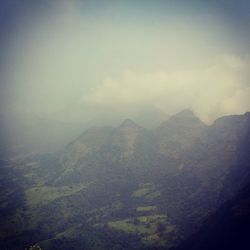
column 210, row 92
column 58, row 65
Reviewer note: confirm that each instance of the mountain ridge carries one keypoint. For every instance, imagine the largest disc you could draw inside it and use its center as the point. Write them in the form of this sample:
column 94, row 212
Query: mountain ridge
column 128, row 187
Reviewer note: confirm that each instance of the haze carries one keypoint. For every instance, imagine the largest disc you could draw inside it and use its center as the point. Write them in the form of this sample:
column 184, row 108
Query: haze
column 103, row 62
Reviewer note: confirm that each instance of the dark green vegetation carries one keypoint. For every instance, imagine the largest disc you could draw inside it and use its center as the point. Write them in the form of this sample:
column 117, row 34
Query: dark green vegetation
column 128, row 187
column 227, row 228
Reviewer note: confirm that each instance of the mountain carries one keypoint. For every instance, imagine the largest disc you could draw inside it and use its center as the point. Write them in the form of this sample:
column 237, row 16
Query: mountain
column 127, row 187
column 227, row 228
column 130, row 147
column 179, row 133
column 213, row 169
column 102, row 150
column 150, row 117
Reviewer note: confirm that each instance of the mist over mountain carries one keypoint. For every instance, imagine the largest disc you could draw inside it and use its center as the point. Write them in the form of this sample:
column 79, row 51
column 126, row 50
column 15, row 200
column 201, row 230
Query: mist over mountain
column 81, row 62
column 128, row 187
column 24, row 134
column 124, row 125
column 27, row 133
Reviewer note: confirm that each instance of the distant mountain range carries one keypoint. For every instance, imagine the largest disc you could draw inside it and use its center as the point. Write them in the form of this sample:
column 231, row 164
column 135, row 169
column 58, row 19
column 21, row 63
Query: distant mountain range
column 129, row 187
column 25, row 133
column 29, row 134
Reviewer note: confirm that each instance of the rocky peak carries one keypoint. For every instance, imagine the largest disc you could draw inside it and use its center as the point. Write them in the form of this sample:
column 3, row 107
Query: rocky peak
column 183, row 119
column 185, row 115
column 128, row 123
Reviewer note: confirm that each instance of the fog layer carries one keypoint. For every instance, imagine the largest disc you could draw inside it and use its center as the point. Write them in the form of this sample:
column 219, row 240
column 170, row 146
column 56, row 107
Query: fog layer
column 105, row 62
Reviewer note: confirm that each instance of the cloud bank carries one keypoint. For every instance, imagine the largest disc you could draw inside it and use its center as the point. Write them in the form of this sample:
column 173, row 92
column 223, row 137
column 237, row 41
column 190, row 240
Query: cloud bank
column 221, row 89
column 86, row 62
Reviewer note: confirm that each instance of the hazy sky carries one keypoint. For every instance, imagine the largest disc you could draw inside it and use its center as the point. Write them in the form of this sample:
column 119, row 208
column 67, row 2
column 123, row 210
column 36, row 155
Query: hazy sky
column 86, row 60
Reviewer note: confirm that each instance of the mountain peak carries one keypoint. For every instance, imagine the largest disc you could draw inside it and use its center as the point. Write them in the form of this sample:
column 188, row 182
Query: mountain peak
column 185, row 118
column 186, row 113
column 128, row 123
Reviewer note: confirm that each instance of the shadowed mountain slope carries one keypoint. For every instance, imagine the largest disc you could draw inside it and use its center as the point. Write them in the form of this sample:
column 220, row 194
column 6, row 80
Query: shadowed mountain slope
column 127, row 187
